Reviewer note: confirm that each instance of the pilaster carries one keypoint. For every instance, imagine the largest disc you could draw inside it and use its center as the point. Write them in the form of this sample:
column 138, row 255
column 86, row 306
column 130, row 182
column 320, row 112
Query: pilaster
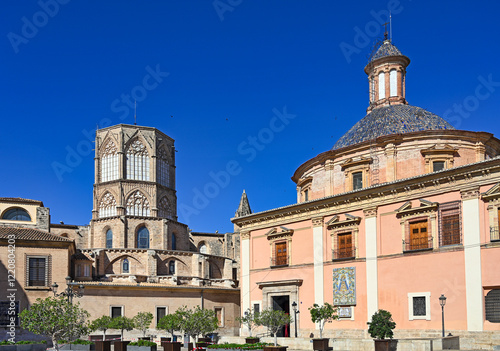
column 371, row 261
column 318, row 225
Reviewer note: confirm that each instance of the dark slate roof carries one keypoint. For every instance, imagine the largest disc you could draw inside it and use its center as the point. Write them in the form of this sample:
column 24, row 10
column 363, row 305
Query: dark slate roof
column 20, row 200
column 387, row 120
column 30, row 234
column 386, row 49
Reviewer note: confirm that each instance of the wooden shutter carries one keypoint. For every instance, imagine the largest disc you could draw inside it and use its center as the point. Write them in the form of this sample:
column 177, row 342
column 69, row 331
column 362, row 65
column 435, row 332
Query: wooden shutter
column 281, row 254
column 419, row 237
column 344, row 245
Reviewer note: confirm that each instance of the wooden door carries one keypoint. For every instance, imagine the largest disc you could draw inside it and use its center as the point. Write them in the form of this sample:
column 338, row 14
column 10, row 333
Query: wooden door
column 281, row 254
column 419, row 238
column 345, row 245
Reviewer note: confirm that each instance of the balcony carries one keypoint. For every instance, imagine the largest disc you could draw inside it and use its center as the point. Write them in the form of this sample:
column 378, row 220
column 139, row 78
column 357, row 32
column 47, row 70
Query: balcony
column 494, row 236
column 280, row 261
column 346, row 253
column 419, row 244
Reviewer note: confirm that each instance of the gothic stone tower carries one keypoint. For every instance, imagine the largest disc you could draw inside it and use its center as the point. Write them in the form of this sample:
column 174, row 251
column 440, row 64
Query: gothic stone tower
column 135, row 203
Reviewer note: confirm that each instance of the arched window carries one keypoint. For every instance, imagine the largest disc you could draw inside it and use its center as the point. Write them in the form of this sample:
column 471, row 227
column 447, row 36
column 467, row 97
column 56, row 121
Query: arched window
column 143, row 238
column 125, row 266
column 203, row 248
column 393, row 78
column 107, row 206
column 381, row 85
column 372, row 89
column 171, row 267
column 165, row 210
column 174, row 242
column 137, row 204
column 109, row 239
column 109, row 162
column 137, row 161
column 163, row 167
column 17, row 214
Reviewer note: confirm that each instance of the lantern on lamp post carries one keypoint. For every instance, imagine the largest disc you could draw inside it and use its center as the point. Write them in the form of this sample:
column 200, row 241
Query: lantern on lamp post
column 442, row 302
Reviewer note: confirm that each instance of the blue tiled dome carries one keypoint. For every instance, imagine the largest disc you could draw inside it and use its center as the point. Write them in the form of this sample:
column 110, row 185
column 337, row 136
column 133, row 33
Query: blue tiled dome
column 387, row 120
column 386, row 49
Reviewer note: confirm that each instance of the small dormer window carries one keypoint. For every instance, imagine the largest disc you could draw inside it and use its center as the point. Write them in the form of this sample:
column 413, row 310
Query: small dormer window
column 357, row 180
column 306, row 195
column 437, row 166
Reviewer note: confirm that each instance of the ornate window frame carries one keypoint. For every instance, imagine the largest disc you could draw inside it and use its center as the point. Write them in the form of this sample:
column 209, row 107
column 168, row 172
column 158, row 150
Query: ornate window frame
column 304, row 189
column 275, row 236
column 437, row 152
column 492, row 197
column 426, row 211
column 355, row 165
column 338, row 227
column 47, row 271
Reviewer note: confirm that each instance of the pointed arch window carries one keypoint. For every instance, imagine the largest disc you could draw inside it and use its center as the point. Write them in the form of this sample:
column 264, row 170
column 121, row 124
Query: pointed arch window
column 174, row 242
column 125, row 266
column 171, row 267
column 381, row 85
column 163, row 167
column 393, row 78
column 107, row 206
column 138, row 204
column 143, row 238
column 109, row 162
column 137, row 161
column 165, row 210
column 109, row 239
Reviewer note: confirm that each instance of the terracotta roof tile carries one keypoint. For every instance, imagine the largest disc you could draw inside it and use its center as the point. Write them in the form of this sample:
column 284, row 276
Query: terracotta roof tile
column 30, row 234
column 20, row 200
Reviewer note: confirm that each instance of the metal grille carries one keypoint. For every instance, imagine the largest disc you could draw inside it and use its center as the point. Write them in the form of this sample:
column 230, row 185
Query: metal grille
column 417, row 245
column 492, row 306
column 344, row 253
column 419, row 308
column 494, row 236
column 450, row 223
column 5, row 313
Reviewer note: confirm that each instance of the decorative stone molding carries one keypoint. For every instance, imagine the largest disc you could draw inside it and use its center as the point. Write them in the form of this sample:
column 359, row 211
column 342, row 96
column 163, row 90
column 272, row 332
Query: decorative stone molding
column 349, row 221
column 439, row 153
column 468, row 194
column 370, row 212
column 317, row 222
column 245, row 235
column 274, row 234
column 408, row 211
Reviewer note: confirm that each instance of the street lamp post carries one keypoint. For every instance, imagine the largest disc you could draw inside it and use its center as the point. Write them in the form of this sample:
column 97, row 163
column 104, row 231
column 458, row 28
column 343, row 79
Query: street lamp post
column 68, row 292
column 442, row 302
column 295, row 311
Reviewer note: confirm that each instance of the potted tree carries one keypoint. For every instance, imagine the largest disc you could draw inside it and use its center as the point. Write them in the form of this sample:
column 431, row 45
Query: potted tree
column 142, row 321
column 322, row 315
column 142, row 345
column 381, row 327
column 170, row 323
column 205, row 322
column 102, row 324
column 273, row 320
column 122, row 323
column 248, row 320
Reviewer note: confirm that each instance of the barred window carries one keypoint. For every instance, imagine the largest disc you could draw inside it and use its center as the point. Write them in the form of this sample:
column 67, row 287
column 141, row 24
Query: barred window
column 107, row 206
column 492, row 306
column 37, row 270
column 450, row 232
column 138, row 204
column 419, row 306
column 8, row 310
column 109, row 162
column 137, row 161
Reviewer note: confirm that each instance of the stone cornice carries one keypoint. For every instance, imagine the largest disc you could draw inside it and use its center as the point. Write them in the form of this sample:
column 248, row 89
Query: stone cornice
column 297, row 282
column 471, row 193
column 454, row 179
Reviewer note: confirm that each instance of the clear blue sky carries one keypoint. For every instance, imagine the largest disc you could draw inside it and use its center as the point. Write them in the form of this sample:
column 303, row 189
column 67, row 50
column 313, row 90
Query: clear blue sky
column 65, row 69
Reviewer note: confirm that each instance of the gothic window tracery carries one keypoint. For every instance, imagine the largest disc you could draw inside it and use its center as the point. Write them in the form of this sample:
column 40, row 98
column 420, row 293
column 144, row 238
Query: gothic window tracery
column 109, row 162
column 137, row 161
column 137, row 204
column 163, row 167
column 107, row 206
column 164, row 208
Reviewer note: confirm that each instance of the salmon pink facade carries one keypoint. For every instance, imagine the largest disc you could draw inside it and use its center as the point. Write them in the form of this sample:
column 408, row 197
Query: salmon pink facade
column 403, row 209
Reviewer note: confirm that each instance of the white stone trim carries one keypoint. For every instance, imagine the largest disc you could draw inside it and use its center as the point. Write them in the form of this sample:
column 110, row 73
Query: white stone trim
column 427, row 296
column 472, row 255
column 371, row 266
column 318, row 265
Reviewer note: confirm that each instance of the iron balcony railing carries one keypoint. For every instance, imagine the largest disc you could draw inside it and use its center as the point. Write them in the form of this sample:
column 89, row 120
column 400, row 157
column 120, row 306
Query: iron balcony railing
column 279, row 261
column 417, row 245
column 346, row 253
column 494, row 235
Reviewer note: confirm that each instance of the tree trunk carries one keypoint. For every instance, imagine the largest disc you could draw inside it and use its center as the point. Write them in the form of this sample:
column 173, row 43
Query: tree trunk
column 321, row 331
column 276, row 339
column 54, row 342
column 103, row 335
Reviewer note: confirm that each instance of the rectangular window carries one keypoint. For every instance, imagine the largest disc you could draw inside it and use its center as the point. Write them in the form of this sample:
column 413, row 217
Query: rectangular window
column 419, row 306
column 450, row 229
column 219, row 312
column 9, row 310
column 344, row 246
column 306, row 195
column 393, row 78
column 381, row 85
column 357, row 180
column 280, row 254
column 235, row 273
column 437, row 166
column 37, row 271
column 256, row 308
column 418, row 236
column 160, row 313
column 116, row 311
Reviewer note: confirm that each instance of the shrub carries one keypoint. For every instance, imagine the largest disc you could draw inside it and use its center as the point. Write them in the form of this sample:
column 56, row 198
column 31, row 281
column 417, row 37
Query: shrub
column 381, row 325
column 142, row 343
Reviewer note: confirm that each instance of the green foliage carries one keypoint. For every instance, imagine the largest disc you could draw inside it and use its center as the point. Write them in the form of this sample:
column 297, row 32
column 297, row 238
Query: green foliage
column 27, row 342
column 82, row 342
column 142, row 321
column 322, row 315
column 122, row 323
column 170, row 322
column 248, row 320
column 6, row 342
column 381, row 325
column 273, row 320
column 226, row 346
column 142, row 343
column 56, row 318
column 197, row 321
column 102, row 324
